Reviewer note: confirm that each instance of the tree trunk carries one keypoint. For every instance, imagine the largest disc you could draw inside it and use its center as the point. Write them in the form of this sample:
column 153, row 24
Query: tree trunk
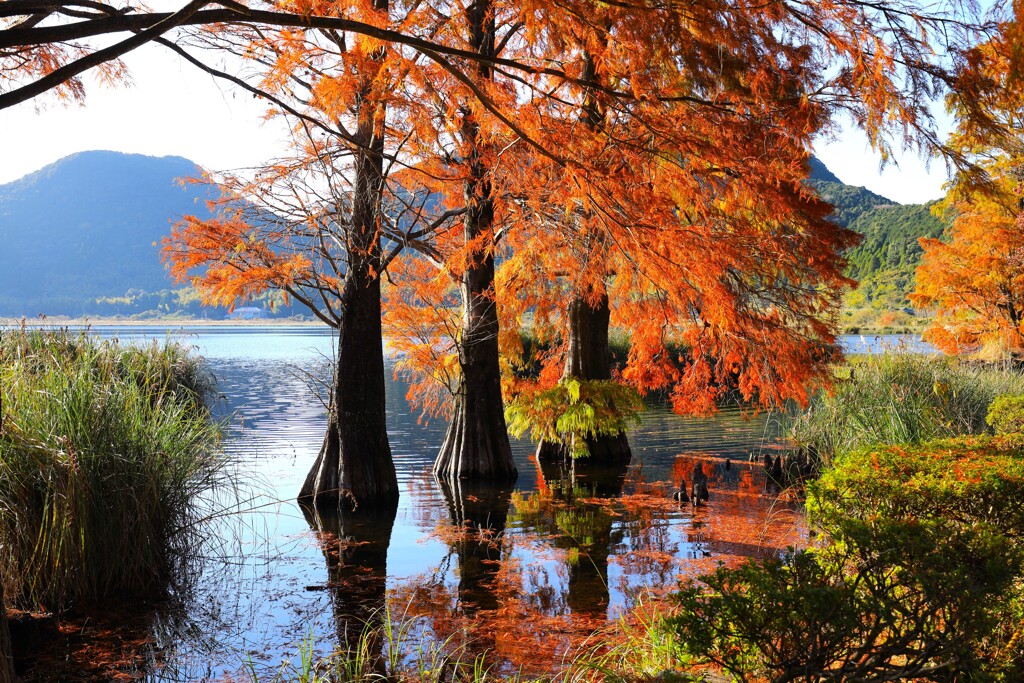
column 476, row 445
column 588, row 358
column 354, row 467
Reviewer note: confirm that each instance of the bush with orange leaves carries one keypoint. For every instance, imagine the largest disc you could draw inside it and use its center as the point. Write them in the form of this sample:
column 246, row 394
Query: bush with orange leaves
column 918, row 576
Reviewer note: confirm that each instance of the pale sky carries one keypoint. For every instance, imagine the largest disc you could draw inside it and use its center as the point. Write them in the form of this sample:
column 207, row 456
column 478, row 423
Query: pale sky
column 174, row 109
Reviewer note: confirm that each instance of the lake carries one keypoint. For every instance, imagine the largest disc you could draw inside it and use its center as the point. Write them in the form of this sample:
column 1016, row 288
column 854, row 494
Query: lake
column 525, row 573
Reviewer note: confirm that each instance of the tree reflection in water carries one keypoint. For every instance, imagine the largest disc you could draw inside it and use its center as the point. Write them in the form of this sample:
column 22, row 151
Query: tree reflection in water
column 573, row 507
column 355, row 545
column 478, row 513
column 747, row 516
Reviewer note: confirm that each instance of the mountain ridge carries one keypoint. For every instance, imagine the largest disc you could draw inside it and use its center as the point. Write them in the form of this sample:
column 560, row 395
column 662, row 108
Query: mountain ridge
column 885, row 260
column 81, row 236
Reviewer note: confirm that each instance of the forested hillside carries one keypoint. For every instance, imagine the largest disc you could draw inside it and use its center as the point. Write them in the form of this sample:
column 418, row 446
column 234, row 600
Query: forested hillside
column 884, row 262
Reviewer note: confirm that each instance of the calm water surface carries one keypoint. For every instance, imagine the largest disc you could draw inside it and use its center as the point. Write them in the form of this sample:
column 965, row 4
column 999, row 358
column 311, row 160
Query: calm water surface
column 501, row 570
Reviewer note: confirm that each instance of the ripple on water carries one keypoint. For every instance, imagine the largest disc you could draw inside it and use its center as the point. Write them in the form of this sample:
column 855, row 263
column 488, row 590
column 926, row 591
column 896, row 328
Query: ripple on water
column 559, row 563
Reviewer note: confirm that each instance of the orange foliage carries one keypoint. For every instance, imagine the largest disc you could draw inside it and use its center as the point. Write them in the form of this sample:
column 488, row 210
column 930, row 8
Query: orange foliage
column 975, row 280
column 667, row 174
column 305, row 224
column 675, row 210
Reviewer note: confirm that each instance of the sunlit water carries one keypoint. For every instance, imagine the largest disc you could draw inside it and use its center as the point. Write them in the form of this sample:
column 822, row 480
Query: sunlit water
column 548, row 569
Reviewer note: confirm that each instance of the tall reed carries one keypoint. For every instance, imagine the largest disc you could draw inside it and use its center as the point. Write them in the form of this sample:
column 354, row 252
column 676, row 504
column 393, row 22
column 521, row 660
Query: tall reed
column 104, row 452
column 903, row 398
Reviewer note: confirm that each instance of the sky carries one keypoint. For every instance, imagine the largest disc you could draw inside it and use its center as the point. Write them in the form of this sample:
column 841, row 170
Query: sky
column 174, row 109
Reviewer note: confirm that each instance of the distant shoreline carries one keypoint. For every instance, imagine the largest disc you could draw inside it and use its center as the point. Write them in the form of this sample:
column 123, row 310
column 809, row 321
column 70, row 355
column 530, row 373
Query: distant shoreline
column 870, row 329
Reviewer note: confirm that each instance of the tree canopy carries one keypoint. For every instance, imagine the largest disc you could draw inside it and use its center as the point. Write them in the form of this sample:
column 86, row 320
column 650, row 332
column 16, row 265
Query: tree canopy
column 975, row 281
column 665, row 174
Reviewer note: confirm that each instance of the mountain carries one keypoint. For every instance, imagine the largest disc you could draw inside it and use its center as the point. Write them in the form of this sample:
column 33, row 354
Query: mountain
column 850, row 201
column 90, row 226
column 820, row 173
column 885, row 260
column 82, row 236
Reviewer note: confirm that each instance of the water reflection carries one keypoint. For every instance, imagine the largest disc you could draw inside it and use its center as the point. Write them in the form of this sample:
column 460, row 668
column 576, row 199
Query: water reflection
column 355, row 546
column 572, row 507
column 748, row 515
column 478, row 515
column 524, row 572
column 589, row 523
column 475, row 534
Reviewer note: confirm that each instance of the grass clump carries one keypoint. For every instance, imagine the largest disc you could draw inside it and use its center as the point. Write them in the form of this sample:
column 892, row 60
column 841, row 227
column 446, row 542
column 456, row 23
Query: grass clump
column 383, row 648
column 104, row 451
column 902, row 398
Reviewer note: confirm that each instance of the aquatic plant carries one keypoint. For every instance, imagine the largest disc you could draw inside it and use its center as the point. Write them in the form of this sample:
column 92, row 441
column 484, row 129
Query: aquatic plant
column 902, row 398
column 105, row 452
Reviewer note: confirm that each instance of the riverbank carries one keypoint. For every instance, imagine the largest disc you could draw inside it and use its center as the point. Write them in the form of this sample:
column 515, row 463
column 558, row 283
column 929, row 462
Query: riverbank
column 858, row 322
column 870, row 321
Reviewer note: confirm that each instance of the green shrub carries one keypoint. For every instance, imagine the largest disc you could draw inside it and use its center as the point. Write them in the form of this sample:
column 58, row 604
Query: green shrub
column 967, row 481
column 574, row 411
column 104, row 452
column 1006, row 414
column 902, row 398
column 918, row 576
